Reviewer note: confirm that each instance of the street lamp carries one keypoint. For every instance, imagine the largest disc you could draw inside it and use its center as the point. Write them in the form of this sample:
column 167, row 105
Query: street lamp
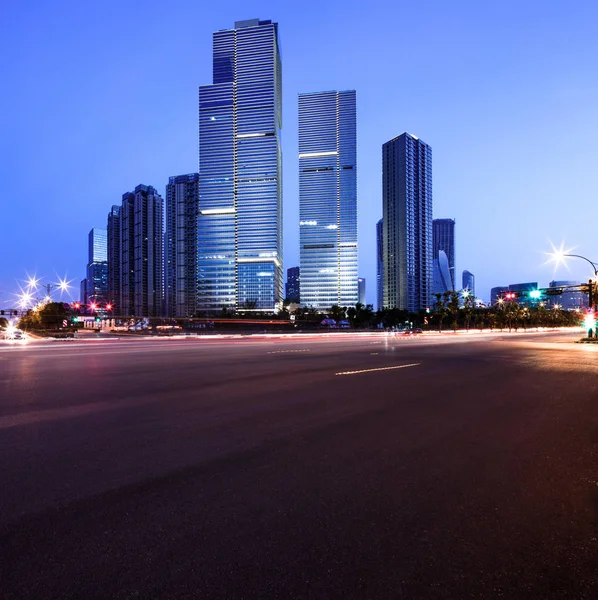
column 559, row 256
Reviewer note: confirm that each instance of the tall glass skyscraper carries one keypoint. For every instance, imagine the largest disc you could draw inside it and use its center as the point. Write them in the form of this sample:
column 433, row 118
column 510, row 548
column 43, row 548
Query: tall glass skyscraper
column 239, row 255
column 443, row 238
column 180, row 252
column 468, row 281
column 328, row 199
column 380, row 264
column 97, row 266
column 114, row 260
column 407, row 210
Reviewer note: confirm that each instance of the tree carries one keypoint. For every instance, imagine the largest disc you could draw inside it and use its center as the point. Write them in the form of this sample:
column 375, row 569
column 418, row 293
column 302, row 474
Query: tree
column 338, row 313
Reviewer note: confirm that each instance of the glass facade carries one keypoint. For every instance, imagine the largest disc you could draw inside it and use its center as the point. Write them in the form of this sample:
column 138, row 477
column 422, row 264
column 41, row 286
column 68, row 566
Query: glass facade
column 97, row 266
column 239, row 226
column 114, row 260
column 468, row 282
column 443, row 238
column 180, row 251
column 407, row 216
column 293, row 291
column 328, row 199
column 380, row 264
column 441, row 276
column 361, row 290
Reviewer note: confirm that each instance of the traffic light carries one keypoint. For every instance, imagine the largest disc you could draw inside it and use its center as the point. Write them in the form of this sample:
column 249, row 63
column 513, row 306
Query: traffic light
column 535, row 294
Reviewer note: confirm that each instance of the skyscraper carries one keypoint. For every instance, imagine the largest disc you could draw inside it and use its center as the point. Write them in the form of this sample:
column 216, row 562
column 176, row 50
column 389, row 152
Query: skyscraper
column 361, row 291
column 441, row 276
column 328, row 199
column 293, row 286
column 380, row 264
column 114, row 259
column 180, row 252
column 468, row 281
column 443, row 238
column 97, row 267
column 239, row 255
column 142, row 260
column 407, row 214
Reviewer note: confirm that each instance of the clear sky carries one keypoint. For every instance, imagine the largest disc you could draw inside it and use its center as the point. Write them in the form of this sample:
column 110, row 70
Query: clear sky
column 99, row 97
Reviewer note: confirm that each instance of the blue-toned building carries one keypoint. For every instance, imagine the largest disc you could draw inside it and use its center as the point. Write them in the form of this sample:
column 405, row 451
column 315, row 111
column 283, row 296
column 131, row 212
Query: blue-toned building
column 441, row 278
column 293, row 289
column 142, row 253
column 180, row 246
column 443, row 239
column 468, row 282
column 380, row 264
column 407, row 215
column 239, row 254
column 361, row 295
column 328, row 199
column 114, row 259
column 97, row 267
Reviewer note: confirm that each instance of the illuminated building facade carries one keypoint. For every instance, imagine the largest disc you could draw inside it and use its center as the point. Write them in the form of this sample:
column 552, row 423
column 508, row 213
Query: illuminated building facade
column 407, row 215
column 239, row 254
column 328, row 199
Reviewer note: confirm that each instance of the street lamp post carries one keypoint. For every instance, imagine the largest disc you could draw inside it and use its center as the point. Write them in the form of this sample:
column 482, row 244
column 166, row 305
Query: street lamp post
column 559, row 256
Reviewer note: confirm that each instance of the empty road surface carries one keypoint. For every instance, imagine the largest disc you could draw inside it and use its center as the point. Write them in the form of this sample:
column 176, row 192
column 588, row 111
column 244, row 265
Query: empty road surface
column 449, row 466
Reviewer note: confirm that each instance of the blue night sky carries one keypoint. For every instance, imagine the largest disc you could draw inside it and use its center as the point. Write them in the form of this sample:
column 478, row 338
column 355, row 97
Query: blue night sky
column 99, row 97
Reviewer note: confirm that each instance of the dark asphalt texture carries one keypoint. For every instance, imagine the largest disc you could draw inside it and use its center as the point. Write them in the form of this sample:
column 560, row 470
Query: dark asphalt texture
column 249, row 468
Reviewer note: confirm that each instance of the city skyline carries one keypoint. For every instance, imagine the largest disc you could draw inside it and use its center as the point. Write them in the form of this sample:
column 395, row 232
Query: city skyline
column 499, row 104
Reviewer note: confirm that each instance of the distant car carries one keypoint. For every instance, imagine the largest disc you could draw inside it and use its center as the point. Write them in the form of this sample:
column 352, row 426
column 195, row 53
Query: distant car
column 418, row 330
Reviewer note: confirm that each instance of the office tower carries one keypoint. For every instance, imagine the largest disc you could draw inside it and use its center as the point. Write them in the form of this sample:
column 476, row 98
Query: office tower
column 468, row 282
column 142, row 262
column 240, row 172
column 361, row 290
column 443, row 238
column 293, row 284
column 180, row 251
column 328, row 199
column 441, row 277
column 114, row 259
column 407, row 214
column 97, row 267
column 380, row 264
column 497, row 292
column 571, row 298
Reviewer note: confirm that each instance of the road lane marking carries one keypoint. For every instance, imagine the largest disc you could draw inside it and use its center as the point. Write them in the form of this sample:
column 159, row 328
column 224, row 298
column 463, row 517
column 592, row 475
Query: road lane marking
column 374, row 353
column 287, row 351
column 377, row 369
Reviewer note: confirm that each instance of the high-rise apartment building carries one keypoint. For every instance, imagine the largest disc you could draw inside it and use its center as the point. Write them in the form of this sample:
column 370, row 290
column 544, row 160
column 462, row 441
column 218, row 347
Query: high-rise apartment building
column 407, row 215
column 114, row 259
column 468, row 282
column 180, row 251
column 443, row 238
column 239, row 255
column 293, row 291
column 97, row 267
column 328, row 199
column 142, row 260
column 380, row 264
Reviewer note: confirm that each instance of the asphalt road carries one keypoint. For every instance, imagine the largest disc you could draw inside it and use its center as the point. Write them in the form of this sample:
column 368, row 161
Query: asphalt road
column 442, row 467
